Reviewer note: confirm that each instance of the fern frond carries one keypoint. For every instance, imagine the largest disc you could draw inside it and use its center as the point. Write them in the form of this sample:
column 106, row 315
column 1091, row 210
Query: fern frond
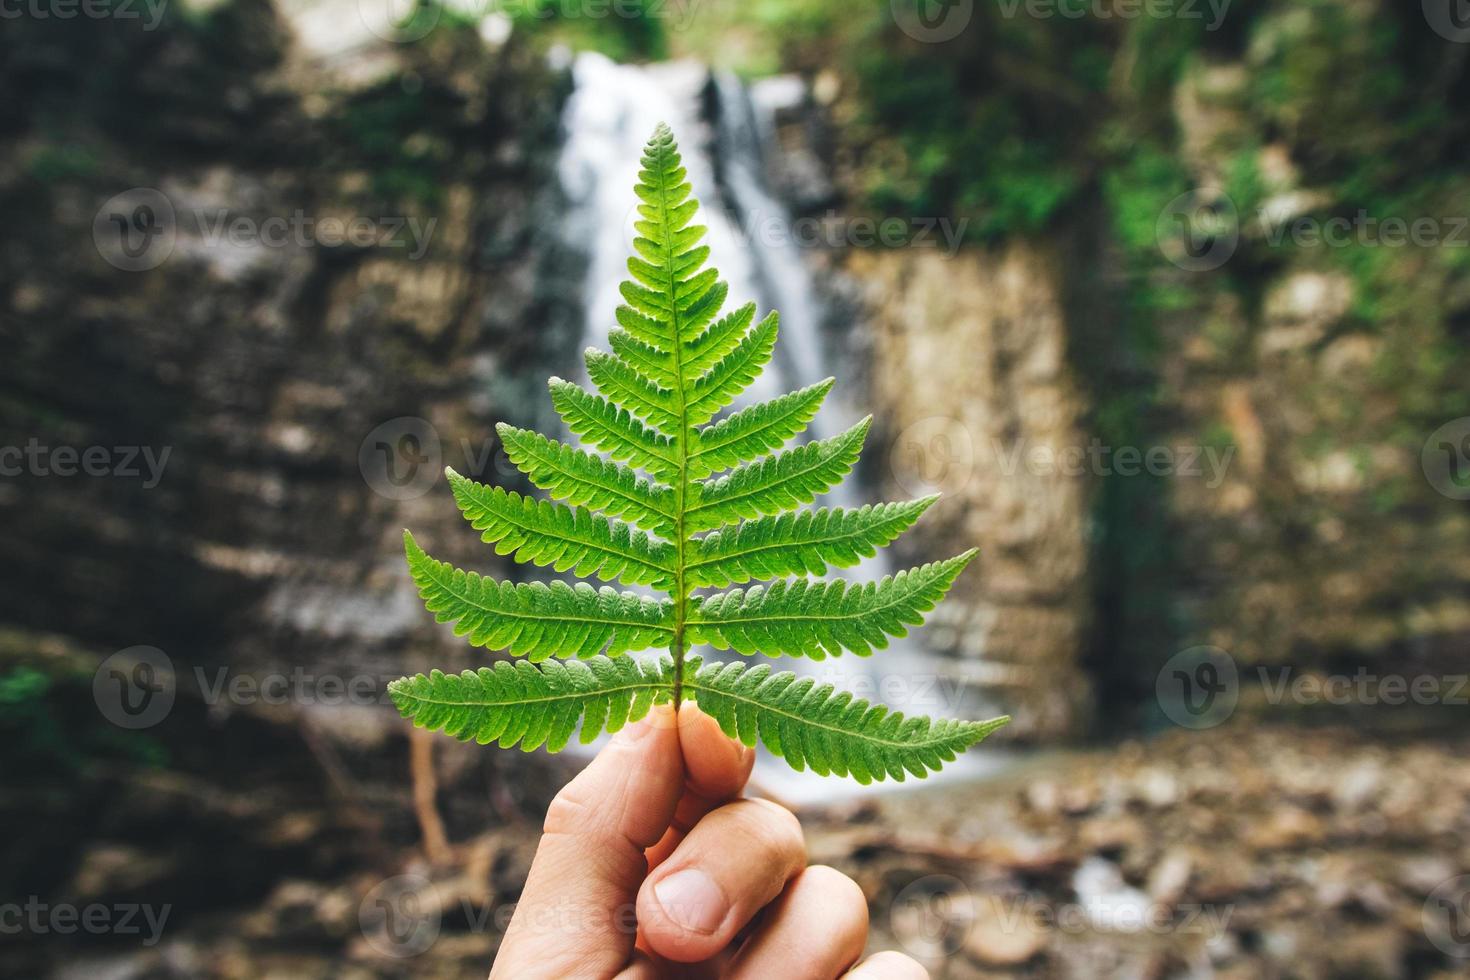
column 831, row 731
column 566, row 538
column 809, row 725
column 717, row 508
column 536, row 620
column 816, row 619
column 603, row 425
column 540, row 705
column 777, row 483
column 803, row 543
column 754, row 430
column 581, row 478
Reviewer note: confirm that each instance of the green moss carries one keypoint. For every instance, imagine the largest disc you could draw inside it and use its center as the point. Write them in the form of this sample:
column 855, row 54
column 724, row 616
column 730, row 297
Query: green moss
column 53, row 163
column 49, row 723
column 624, row 30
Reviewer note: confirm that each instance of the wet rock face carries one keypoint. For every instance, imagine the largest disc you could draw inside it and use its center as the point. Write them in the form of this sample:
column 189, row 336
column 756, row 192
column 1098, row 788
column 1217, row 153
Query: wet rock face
column 333, row 287
column 1270, row 433
column 974, row 392
column 1334, row 537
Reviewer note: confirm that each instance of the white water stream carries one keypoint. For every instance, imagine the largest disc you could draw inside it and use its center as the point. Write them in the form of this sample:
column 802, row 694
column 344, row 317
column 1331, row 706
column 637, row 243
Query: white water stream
column 610, row 115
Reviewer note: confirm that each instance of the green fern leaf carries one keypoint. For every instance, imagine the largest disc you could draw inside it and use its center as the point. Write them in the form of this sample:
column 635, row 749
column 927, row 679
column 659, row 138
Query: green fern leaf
column 642, row 505
column 816, row 619
column 718, row 340
column 831, row 731
column 602, row 425
column 777, row 483
column 621, row 382
column 582, row 478
column 543, row 533
column 803, row 543
column 809, row 725
column 754, row 430
column 534, row 620
column 519, row 703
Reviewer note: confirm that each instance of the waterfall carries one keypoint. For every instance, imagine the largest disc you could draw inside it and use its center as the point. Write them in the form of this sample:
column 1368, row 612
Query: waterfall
column 607, row 120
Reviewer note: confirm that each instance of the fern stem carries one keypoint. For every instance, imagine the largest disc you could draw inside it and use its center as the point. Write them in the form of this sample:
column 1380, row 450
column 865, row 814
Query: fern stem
column 681, row 445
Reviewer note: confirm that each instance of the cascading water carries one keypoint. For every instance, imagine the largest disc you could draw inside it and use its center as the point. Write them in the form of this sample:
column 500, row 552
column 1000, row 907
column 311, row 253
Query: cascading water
column 608, row 118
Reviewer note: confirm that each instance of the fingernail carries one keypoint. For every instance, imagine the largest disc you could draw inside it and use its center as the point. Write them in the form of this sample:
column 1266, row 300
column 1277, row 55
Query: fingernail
column 693, row 900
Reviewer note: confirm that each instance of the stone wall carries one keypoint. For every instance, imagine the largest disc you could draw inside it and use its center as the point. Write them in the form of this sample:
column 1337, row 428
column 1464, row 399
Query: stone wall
column 974, row 391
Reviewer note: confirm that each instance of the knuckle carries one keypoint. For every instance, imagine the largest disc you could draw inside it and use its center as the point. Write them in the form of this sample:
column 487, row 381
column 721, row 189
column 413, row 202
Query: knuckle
column 773, row 827
column 889, row 965
column 839, row 893
column 571, row 812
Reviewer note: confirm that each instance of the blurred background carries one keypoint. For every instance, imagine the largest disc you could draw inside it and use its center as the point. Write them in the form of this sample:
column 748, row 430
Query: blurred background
column 1169, row 298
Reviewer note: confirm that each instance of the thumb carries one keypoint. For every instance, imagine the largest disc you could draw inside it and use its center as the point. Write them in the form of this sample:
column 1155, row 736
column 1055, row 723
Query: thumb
column 575, row 918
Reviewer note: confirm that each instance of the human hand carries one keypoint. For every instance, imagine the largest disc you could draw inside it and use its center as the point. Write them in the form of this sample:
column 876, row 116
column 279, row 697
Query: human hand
column 651, row 866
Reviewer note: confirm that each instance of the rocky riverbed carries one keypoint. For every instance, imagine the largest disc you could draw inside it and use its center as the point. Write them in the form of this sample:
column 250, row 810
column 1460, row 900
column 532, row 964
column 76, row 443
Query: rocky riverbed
column 1240, row 853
